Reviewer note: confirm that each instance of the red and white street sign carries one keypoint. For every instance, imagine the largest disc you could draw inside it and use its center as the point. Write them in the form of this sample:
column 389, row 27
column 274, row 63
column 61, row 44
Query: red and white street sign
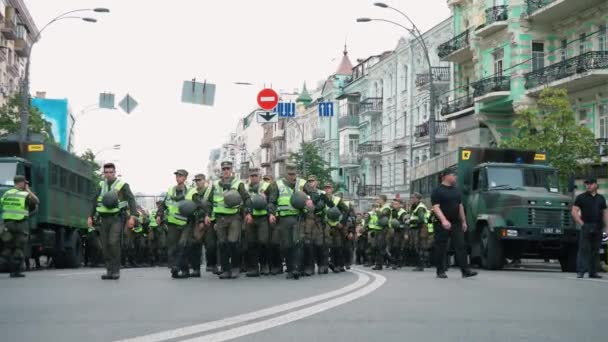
column 268, row 99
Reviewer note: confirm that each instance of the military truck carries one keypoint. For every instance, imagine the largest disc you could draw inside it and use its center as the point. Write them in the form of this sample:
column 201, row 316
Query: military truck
column 513, row 205
column 64, row 184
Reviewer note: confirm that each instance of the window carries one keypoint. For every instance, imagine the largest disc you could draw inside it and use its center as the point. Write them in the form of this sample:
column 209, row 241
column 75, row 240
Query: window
column 404, row 124
column 404, row 171
column 476, row 180
column 498, row 55
column 583, row 116
column 603, row 120
column 563, row 51
column 405, row 78
column 63, row 177
column 54, row 178
column 582, row 43
column 538, row 56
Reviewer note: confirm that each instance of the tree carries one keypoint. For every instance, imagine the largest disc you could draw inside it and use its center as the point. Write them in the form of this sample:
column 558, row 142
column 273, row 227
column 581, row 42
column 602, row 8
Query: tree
column 551, row 126
column 315, row 165
column 89, row 157
column 10, row 119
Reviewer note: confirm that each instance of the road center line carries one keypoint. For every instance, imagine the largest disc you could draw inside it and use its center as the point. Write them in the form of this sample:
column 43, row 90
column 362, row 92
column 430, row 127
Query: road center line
column 588, row 279
column 362, row 279
column 294, row 315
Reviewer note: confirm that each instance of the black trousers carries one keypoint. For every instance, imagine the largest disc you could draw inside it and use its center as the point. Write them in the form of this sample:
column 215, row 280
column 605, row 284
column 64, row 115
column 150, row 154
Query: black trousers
column 442, row 238
column 589, row 243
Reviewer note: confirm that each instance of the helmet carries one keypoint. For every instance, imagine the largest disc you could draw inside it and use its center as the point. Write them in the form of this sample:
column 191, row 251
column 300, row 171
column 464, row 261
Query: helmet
column 383, row 221
column 395, row 223
column 334, row 214
column 258, row 202
column 298, row 200
column 232, row 198
column 110, row 200
column 186, row 207
column 604, row 237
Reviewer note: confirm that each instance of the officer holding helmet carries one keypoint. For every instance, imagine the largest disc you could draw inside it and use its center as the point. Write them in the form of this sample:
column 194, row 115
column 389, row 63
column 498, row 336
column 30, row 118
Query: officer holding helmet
column 257, row 233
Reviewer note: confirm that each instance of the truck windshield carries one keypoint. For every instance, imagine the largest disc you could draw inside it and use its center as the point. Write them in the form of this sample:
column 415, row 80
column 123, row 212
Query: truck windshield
column 7, row 173
column 514, row 178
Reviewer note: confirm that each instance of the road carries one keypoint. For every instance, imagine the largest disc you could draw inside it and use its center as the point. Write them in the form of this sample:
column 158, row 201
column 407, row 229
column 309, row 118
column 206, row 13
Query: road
column 535, row 303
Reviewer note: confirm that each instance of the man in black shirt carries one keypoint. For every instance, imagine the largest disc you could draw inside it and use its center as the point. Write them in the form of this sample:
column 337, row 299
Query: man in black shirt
column 588, row 211
column 447, row 206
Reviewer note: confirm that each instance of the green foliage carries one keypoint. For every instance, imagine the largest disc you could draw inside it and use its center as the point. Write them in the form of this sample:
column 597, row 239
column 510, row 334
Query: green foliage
column 315, row 165
column 551, row 126
column 10, row 119
column 89, row 157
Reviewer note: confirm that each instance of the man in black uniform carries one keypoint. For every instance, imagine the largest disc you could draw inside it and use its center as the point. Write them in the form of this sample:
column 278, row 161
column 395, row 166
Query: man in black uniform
column 447, row 206
column 588, row 211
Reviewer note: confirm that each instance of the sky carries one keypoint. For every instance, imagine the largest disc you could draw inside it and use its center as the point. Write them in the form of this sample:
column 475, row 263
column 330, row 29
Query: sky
column 147, row 51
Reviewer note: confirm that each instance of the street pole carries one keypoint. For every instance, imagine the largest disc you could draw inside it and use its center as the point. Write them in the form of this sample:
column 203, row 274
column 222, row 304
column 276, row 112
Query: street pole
column 302, row 145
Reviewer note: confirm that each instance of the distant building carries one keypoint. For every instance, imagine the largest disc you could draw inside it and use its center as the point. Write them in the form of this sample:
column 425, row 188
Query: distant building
column 58, row 113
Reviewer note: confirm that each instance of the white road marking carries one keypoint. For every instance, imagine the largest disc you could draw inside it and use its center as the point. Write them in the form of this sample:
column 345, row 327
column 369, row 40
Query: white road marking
column 589, row 279
column 362, row 279
column 79, row 273
column 292, row 316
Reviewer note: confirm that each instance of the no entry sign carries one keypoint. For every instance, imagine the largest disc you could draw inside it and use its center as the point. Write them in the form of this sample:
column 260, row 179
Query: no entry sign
column 268, row 99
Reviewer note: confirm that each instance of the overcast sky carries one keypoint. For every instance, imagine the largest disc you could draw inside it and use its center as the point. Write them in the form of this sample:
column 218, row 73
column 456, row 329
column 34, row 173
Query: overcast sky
column 148, row 48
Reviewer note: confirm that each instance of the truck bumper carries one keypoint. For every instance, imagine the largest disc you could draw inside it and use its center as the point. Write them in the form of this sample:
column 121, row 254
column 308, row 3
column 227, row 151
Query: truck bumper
column 537, row 234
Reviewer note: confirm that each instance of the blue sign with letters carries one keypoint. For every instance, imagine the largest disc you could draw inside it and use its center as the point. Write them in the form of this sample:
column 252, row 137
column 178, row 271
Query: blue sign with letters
column 285, row 109
column 326, row 109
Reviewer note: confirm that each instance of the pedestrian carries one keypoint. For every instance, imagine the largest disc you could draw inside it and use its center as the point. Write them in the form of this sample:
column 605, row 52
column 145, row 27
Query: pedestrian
column 420, row 225
column 16, row 205
column 198, row 231
column 114, row 203
column 179, row 230
column 447, row 205
column 589, row 212
column 230, row 202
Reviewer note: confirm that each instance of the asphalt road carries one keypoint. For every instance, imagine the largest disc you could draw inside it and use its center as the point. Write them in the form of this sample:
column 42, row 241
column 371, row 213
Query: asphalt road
column 534, row 303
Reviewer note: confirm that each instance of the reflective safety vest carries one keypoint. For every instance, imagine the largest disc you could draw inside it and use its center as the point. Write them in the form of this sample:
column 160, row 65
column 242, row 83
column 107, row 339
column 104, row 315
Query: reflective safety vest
column 14, row 206
column 173, row 215
column 152, row 217
column 116, row 186
column 139, row 226
column 262, row 187
column 285, row 192
column 373, row 221
column 336, row 201
column 218, row 198
column 399, row 213
column 427, row 216
column 195, row 191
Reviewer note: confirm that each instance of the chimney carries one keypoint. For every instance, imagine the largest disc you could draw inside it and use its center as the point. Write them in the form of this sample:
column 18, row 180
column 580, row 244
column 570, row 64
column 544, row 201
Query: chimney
column 41, row 94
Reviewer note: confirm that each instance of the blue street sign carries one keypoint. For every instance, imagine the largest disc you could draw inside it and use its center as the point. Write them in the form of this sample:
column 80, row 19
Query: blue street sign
column 326, row 109
column 285, row 109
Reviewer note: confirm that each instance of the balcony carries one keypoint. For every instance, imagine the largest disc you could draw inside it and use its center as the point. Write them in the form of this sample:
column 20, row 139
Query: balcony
column 318, row 134
column 13, row 69
column 496, row 20
column 350, row 108
column 371, row 106
column 440, row 75
column 266, row 142
column 457, row 49
column 369, row 190
column 602, row 147
column 552, row 11
column 492, row 88
column 349, row 160
column 279, row 155
column 574, row 74
column 461, row 105
column 441, row 131
column 22, row 42
column 8, row 28
column 348, row 121
column 279, row 134
column 370, row 149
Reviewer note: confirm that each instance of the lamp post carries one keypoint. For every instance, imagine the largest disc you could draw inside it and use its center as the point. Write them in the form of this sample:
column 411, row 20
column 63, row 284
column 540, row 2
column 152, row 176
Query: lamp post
column 418, row 36
column 113, row 147
column 25, row 83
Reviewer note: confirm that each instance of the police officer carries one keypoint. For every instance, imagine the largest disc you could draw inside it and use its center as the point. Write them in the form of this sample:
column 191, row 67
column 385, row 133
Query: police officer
column 179, row 230
column 230, row 201
column 337, row 229
column 316, row 234
column 134, row 240
column 378, row 226
column 290, row 218
column 16, row 204
column 420, row 228
column 156, row 237
column 397, row 231
column 195, row 248
column 361, row 241
column 111, row 203
column 257, row 233
column 350, row 234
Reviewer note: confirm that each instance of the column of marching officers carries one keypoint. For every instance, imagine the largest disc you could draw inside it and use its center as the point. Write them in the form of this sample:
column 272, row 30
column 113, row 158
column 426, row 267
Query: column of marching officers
column 261, row 227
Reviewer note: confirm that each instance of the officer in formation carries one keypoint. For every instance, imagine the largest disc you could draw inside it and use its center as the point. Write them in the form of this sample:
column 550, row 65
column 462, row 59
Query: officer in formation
column 396, row 226
column 258, row 231
column 157, row 238
column 336, row 218
column 195, row 246
column 421, row 227
column 16, row 206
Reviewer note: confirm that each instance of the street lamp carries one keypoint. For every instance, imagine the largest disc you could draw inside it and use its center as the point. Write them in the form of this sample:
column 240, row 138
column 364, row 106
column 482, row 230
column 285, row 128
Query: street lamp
column 25, row 83
column 414, row 31
column 113, row 147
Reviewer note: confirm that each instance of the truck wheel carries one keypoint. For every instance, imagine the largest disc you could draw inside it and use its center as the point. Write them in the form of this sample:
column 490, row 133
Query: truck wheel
column 568, row 259
column 71, row 257
column 492, row 252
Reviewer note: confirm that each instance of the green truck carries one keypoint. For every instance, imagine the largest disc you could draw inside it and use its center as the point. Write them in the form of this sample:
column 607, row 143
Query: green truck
column 513, row 205
column 64, row 184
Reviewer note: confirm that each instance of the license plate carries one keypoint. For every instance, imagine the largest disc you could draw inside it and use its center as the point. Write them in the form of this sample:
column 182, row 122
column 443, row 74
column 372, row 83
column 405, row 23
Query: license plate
column 552, row 231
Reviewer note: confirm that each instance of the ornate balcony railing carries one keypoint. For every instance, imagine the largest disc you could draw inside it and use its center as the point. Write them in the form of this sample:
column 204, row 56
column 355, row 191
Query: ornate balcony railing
column 371, row 104
column 348, row 159
column 454, row 44
column 440, row 74
column 592, row 60
column 534, row 5
column 496, row 13
column 602, row 146
column 370, row 147
column 422, row 130
column 348, row 121
column 456, row 105
column 318, row 134
column 369, row 190
column 491, row 84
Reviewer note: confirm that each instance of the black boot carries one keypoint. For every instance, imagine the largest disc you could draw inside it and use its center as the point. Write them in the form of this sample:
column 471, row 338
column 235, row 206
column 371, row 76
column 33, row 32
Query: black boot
column 196, row 272
column 16, row 268
column 225, row 260
column 309, row 264
column 253, row 269
column 235, row 258
column 264, row 260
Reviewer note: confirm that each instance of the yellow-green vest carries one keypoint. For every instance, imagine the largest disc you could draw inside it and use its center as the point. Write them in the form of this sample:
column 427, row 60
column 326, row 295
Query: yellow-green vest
column 139, row 224
column 390, row 219
column 152, row 217
column 284, row 201
column 14, row 206
column 173, row 215
column 427, row 216
column 218, row 198
column 116, row 186
column 373, row 221
column 261, row 191
column 336, row 201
